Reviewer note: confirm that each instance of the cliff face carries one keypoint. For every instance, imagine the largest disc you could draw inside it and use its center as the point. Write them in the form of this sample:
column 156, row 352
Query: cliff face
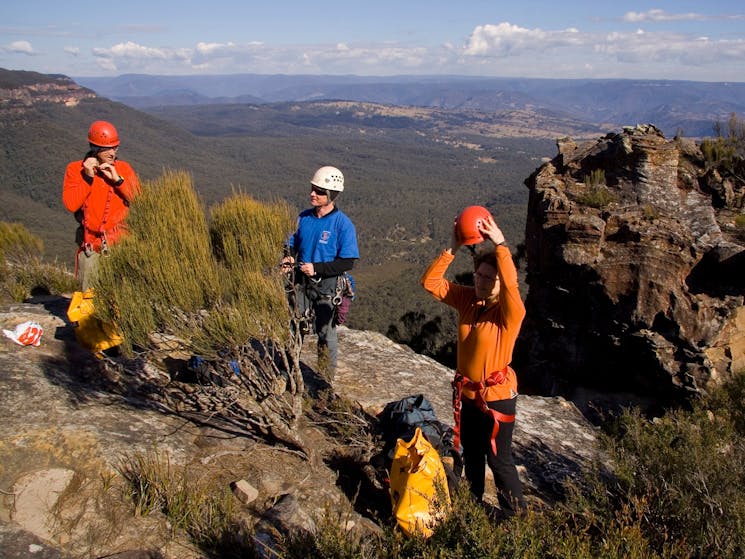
column 17, row 94
column 635, row 270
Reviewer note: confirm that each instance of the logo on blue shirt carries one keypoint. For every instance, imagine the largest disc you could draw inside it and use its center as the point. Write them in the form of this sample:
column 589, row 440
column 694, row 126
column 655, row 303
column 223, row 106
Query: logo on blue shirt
column 325, row 235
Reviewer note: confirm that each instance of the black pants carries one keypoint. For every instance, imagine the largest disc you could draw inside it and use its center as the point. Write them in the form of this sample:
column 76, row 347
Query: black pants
column 475, row 432
column 319, row 296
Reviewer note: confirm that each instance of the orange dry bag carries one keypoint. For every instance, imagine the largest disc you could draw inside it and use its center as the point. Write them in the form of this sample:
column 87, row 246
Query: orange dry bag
column 91, row 332
column 419, row 491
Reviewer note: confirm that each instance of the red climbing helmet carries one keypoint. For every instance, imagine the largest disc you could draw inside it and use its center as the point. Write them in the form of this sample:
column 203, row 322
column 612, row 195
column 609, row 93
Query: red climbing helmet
column 467, row 225
column 103, row 134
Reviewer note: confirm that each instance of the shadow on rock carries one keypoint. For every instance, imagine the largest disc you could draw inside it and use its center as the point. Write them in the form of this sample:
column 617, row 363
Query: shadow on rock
column 555, row 470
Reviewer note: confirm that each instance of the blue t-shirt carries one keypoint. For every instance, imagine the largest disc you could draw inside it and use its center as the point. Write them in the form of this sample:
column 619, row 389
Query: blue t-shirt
column 324, row 239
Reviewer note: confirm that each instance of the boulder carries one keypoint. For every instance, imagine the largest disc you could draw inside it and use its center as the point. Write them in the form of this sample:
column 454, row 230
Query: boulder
column 635, row 280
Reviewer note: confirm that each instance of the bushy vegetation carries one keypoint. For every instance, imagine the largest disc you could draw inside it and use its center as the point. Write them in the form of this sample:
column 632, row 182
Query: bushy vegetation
column 596, row 177
column 596, row 193
column 17, row 243
column 682, row 476
column 740, row 226
column 597, row 197
column 726, row 151
column 23, row 271
column 212, row 285
column 213, row 290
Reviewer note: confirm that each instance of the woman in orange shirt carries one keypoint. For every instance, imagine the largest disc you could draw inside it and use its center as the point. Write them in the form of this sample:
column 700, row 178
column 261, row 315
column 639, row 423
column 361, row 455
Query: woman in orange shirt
column 485, row 387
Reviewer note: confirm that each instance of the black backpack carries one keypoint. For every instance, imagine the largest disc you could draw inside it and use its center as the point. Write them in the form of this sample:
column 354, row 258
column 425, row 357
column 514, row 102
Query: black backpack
column 399, row 420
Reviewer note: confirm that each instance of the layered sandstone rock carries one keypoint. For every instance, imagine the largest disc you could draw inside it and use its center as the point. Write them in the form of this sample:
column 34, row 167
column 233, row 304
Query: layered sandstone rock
column 635, row 270
column 18, row 96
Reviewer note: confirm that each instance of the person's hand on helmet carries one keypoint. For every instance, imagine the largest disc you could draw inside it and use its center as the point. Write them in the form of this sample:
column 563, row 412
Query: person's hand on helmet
column 90, row 165
column 489, row 229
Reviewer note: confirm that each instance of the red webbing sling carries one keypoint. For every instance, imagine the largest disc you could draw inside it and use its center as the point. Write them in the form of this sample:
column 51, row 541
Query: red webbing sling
column 459, row 383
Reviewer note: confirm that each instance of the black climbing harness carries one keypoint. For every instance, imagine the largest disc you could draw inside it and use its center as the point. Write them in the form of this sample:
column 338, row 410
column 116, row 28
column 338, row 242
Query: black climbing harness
column 297, row 284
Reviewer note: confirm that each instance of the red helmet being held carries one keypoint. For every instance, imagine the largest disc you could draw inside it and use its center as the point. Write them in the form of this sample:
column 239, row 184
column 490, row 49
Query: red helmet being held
column 467, row 225
column 103, row 134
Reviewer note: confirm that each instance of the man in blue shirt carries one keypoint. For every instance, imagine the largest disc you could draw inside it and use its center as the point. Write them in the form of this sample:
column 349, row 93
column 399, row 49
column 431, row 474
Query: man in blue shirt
column 322, row 249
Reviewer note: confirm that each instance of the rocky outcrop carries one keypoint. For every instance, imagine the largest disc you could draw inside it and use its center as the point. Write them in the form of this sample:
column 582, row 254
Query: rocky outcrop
column 635, row 273
column 66, row 432
column 16, row 97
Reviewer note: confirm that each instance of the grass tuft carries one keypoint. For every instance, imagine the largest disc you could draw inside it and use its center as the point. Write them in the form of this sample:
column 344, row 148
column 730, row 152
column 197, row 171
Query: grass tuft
column 193, row 504
column 23, row 273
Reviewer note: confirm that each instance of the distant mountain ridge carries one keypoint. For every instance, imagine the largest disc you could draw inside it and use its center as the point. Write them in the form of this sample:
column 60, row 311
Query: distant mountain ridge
column 672, row 106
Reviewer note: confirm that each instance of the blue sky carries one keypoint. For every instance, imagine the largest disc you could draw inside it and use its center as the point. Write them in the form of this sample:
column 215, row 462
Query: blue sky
column 684, row 40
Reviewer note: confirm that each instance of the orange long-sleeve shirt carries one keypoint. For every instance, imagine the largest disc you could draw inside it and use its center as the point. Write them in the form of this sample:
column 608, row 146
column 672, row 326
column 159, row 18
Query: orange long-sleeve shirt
column 486, row 335
column 104, row 205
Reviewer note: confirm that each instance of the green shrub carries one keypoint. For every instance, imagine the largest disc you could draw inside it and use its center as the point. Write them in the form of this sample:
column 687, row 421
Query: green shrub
column 596, row 193
column 717, row 150
column 726, row 151
column 687, row 468
column 740, row 226
column 586, row 527
column 23, row 273
column 596, row 177
column 331, row 539
column 163, row 272
column 214, row 286
column 18, row 244
column 597, row 196
column 213, row 292
column 39, row 277
column 650, row 213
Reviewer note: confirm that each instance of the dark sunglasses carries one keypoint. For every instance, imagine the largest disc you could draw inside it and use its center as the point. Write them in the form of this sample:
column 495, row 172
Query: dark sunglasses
column 319, row 191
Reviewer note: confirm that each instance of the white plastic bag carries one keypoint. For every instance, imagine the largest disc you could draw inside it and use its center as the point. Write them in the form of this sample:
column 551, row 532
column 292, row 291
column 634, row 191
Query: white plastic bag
column 26, row 333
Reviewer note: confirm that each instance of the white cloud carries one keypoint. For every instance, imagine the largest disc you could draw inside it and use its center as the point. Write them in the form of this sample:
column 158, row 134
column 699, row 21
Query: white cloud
column 491, row 49
column 365, row 59
column 504, row 45
column 75, row 51
column 209, row 49
column 670, row 48
column 131, row 56
column 20, row 47
column 211, row 57
column 505, row 38
column 660, row 15
column 657, row 15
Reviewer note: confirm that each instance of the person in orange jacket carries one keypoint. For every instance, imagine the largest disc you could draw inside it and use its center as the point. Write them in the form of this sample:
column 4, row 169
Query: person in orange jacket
column 98, row 190
column 490, row 315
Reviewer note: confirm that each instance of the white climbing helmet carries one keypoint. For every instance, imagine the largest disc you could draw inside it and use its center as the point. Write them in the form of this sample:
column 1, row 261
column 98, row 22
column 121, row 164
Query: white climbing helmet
column 328, row 178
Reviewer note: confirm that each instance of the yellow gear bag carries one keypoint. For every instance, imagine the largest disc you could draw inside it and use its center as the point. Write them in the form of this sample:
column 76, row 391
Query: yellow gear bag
column 418, row 482
column 91, row 332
